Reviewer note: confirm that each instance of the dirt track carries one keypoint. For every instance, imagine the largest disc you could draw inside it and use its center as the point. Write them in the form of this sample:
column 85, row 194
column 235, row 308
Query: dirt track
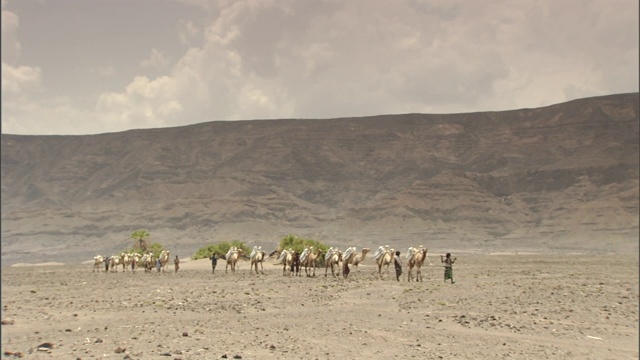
column 524, row 307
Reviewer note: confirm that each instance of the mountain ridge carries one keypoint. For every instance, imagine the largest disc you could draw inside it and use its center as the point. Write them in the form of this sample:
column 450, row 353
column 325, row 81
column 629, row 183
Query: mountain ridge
column 558, row 178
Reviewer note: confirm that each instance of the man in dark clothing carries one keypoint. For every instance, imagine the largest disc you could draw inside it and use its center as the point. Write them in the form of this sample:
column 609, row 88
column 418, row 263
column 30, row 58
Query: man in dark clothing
column 214, row 262
column 106, row 263
column 397, row 263
column 295, row 264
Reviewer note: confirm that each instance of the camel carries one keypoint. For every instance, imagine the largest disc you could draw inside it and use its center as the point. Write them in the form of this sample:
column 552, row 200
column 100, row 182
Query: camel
column 286, row 259
column 257, row 256
column 147, row 262
column 114, row 261
column 352, row 257
column 416, row 258
column 383, row 257
column 135, row 259
column 347, row 258
column 97, row 261
column 308, row 259
column 332, row 258
column 232, row 258
column 164, row 259
column 126, row 261
column 360, row 257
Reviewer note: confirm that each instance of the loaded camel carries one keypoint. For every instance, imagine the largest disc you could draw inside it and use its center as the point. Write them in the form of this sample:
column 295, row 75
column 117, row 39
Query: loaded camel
column 286, row 259
column 114, row 261
column 383, row 257
column 352, row 257
column 360, row 258
column 308, row 259
column 232, row 258
column 347, row 258
column 332, row 258
column 97, row 262
column 147, row 262
column 126, row 261
column 135, row 259
column 257, row 256
column 416, row 257
column 164, row 259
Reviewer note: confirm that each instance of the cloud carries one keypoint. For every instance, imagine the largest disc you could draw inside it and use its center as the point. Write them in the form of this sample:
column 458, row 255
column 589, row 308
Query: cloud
column 156, row 60
column 19, row 81
column 188, row 32
column 10, row 46
column 319, row 59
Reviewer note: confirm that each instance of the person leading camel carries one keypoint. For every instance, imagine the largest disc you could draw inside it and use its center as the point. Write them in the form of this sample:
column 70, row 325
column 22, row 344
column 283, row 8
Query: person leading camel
column 448, row 267
column 176, row 263
column 295, row 264
column 397, row 263
column 214, row 262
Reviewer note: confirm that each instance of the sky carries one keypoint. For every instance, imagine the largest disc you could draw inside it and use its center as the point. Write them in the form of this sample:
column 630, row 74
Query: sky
column 96, row 66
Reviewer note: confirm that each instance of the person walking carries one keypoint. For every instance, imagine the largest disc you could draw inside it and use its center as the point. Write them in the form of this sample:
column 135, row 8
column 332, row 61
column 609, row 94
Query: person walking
column 214, row 262
column 448, row 267
column 176, row 263
column 397, row 263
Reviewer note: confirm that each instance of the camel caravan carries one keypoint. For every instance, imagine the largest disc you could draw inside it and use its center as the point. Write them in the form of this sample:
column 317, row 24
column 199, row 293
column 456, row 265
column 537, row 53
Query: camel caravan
column 291, row 261
column 131, row 261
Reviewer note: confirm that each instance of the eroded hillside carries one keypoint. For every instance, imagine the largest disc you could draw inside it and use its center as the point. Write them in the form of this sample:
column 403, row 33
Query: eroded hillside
column 563, row 177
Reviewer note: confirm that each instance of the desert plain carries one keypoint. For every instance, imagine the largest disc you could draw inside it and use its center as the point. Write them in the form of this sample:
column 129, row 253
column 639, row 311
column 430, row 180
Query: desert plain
column 502, row 306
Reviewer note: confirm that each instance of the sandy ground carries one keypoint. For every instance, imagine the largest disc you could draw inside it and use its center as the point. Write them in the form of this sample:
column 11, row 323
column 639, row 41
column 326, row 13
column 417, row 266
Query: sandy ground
column 501, row 306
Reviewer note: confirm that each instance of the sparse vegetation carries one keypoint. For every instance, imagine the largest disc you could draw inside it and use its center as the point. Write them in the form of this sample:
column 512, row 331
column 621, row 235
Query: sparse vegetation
column 155, row 248
column 298, row 244
column 220, row 249
column 141, row 240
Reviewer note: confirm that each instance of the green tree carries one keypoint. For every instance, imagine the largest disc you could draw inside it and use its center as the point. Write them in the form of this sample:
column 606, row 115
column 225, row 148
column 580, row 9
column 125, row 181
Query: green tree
column 155, row 248
column 220, row 249
column 298, row 243
column 141, row 238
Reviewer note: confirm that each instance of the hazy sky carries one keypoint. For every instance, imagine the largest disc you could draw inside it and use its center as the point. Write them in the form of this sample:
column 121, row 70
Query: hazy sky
column 85, row 67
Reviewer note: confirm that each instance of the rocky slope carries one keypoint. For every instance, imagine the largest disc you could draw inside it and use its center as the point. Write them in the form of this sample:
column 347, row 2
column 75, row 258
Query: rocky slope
column 559, row 178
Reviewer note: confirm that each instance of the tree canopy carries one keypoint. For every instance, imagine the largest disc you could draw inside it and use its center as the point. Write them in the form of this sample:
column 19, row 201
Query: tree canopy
column 220, row 249
column 141, row 239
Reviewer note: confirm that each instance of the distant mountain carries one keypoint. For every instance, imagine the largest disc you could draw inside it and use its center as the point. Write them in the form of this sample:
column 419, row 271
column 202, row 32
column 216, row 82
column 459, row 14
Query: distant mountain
column 558, row 178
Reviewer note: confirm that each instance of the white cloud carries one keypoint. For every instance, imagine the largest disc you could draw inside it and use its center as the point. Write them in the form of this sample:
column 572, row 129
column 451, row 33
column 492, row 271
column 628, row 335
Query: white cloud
column 18, row 81
column 279, row 59
column 156, row 59
column 144, row 103
column 188, row 32
column 10, row 46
